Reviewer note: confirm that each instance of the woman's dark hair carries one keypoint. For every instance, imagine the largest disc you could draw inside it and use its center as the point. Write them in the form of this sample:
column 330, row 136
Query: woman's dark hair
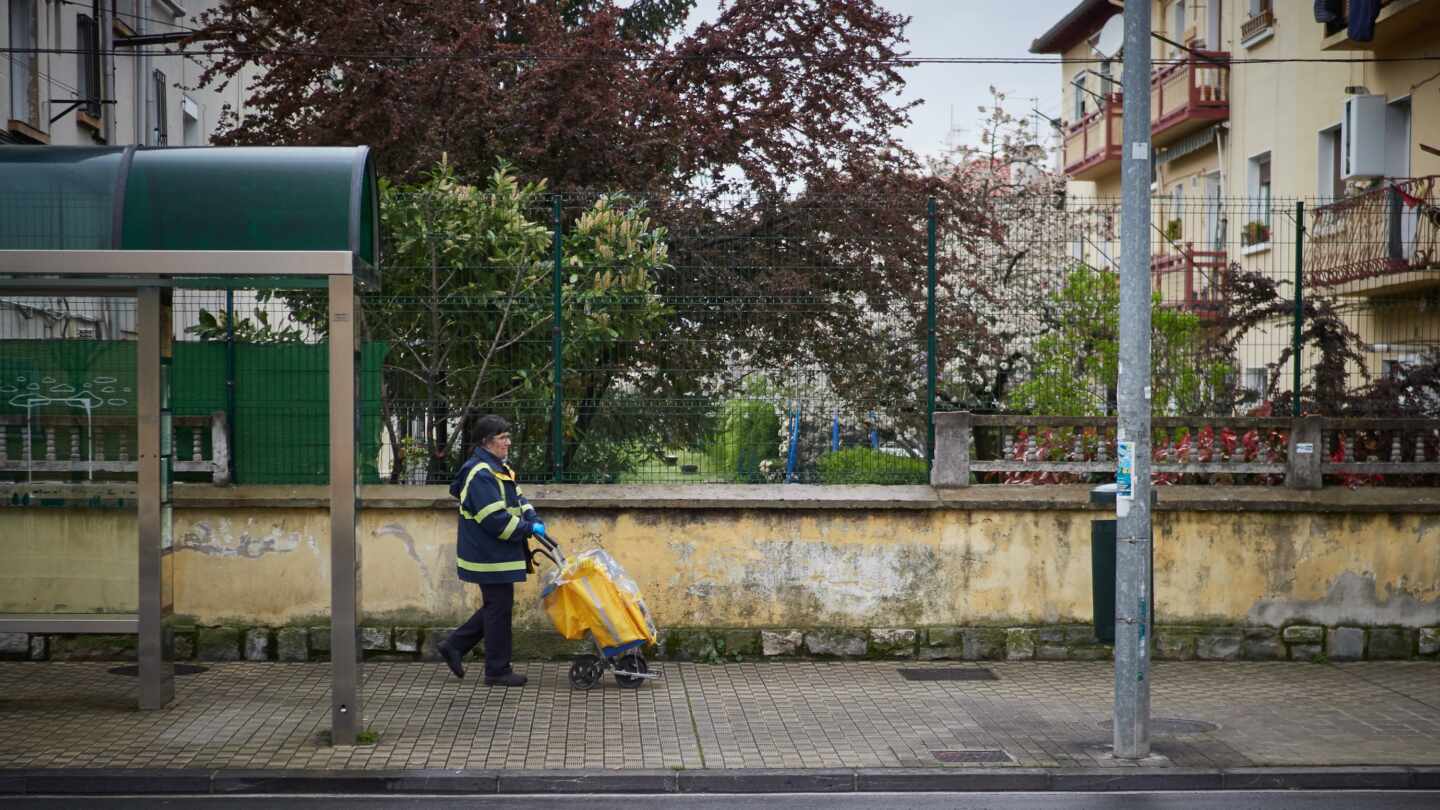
column 481, row 429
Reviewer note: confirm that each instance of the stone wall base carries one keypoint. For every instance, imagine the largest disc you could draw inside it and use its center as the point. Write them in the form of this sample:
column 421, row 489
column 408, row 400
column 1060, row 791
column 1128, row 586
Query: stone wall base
column 717, row 645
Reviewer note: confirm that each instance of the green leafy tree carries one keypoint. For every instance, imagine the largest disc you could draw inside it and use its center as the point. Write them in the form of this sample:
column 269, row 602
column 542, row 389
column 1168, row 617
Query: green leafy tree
column 1075, row 366
column 467, row 307
column 216, row 326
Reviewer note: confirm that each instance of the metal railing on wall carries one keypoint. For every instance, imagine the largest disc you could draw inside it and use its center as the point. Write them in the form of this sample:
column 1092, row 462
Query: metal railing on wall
column 640, row 338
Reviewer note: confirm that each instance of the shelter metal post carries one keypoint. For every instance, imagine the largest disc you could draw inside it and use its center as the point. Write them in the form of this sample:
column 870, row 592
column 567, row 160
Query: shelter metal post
column 157, row 672
column 347, row 715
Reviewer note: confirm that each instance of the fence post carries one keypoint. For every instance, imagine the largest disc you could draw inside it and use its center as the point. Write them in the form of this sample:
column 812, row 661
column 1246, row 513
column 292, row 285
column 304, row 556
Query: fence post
column 230, row 384
column 557, row 348
column 1302, row 462
column 930, row 347
column 954, row 430
column 1295, row 341
column 1394, row 241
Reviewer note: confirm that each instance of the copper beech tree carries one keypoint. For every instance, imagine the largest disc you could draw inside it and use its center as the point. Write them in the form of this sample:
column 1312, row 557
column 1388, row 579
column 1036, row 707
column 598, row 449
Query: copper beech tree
column 766, row 142
column 587, row 94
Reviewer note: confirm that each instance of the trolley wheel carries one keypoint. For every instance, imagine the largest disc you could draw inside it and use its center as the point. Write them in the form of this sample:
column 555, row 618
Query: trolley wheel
column 585, row 671
column 630, row 662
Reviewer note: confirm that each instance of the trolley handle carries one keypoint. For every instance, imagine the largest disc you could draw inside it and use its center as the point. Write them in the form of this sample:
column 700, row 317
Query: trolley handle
column 551, row 548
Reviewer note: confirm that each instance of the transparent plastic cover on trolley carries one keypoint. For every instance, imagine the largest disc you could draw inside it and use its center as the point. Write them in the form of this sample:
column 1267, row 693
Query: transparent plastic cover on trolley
column 589, row 593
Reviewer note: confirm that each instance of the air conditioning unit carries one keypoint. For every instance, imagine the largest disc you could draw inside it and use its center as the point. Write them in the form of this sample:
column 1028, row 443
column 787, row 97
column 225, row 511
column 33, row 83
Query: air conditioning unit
column 1362, row 135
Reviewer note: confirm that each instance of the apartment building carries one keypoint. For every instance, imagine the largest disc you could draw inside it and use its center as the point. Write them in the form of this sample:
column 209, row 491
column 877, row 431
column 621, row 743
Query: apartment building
column 1238, row 139
column 87, row 72
column 94, row 73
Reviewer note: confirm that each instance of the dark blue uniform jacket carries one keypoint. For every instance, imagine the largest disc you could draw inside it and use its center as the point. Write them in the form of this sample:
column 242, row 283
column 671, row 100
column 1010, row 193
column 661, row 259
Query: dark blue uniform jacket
column 495, row 522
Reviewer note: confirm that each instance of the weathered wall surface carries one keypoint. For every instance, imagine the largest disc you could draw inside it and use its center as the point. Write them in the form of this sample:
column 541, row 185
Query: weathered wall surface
column 898, row 557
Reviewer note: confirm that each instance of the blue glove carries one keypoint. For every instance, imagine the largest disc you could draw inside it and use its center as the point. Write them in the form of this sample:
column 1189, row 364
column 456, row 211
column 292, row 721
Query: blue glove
column 538, row 528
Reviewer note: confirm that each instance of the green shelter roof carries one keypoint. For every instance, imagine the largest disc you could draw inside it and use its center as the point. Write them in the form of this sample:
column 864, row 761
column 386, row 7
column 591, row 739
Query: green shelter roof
column 191, row 198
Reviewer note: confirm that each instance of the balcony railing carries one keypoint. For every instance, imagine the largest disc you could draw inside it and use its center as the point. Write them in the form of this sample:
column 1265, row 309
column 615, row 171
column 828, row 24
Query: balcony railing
column 1094, row 140
column 1184, row 96
column 1257, row 24
column 1187, row 95
column 1199, row 279
column 1391, row 230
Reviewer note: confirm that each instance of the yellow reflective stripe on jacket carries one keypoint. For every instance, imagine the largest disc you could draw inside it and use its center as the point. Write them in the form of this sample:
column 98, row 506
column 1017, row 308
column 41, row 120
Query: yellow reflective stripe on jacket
column 510, row 527
column 485, row 512
column 512, row 565
column 465, row 490
column 492, row 508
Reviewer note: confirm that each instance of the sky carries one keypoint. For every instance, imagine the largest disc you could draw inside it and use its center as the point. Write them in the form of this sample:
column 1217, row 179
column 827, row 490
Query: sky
column 950, row 28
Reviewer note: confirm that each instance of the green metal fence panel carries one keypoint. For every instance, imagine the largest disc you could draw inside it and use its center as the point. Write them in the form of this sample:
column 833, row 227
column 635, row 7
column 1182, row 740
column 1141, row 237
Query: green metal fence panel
column 281, row 435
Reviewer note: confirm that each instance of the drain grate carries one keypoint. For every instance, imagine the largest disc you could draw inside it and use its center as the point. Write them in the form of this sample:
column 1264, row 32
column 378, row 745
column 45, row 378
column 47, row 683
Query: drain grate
column 972, row 756
column 180, row 669
column 948, row 674
column 1172, row 725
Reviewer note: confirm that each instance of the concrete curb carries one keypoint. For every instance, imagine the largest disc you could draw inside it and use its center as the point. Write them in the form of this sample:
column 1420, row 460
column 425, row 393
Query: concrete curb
column 103, row 781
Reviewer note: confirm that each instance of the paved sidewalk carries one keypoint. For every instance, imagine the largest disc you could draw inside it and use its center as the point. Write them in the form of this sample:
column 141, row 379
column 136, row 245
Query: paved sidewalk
column 762, row 715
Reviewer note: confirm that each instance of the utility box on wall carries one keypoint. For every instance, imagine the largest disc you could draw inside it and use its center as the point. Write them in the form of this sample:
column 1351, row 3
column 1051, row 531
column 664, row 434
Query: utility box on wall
column 1362, row 134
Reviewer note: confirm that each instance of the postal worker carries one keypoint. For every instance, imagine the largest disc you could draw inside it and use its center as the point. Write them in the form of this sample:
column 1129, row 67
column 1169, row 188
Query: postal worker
column 492, row 549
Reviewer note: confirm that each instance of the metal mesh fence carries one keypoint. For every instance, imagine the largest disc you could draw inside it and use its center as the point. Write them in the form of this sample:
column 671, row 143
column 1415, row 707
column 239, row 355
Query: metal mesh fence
column 636, row 339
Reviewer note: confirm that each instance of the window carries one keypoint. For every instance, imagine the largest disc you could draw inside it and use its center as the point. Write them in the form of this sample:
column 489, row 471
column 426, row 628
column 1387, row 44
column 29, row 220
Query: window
column 1256, row 379
column 1078, row 89
column 87, row 41
column 1260, row 25
column 1330, row 183
column 24, row 67
column 1214, row 25
column 1177, row 24
column 160, row 118
column 1263, row 195
column 1256, row 230
column 190, row 133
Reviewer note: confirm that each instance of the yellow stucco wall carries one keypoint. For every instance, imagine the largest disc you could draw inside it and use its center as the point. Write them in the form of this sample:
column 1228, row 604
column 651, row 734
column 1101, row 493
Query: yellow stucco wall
column 759, row 567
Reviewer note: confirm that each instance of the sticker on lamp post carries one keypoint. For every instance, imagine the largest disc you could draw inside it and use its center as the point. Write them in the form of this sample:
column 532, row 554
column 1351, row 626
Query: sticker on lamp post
column 1124, row 477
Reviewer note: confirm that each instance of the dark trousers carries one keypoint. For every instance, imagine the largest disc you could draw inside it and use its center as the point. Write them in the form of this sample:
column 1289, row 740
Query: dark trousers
column 492, row 623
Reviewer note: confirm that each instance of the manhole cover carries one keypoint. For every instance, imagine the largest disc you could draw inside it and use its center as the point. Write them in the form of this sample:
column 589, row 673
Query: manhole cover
column 1171, row 725
column 950, row 674
column 972, row 756
column 180, row 669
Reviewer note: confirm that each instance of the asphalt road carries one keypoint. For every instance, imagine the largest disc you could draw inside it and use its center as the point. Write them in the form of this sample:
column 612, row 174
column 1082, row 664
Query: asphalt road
column 1177, row 800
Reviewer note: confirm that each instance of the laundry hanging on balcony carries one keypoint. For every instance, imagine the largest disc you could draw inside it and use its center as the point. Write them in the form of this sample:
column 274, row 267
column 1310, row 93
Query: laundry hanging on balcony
column 1329, row 11
column 1361, row 21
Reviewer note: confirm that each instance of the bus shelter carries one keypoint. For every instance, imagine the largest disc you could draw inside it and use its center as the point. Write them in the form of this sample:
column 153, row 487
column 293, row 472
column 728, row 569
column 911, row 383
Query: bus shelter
column 136, row 223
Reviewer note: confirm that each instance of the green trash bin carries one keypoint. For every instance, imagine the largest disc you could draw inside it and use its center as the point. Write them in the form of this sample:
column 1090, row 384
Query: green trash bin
column 1102, row 566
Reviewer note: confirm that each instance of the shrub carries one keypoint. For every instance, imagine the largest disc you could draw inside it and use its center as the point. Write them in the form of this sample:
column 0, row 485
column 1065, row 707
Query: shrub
column 747, row 434
column 862, row 465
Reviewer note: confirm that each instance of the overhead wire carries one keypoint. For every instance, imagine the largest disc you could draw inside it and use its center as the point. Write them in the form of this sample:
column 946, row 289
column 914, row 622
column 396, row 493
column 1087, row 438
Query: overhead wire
column 898, row 61
column 133, row 16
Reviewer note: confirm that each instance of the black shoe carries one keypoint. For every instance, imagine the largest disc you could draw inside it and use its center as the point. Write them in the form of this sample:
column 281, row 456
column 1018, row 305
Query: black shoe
column 508, row 679
column 452, row 658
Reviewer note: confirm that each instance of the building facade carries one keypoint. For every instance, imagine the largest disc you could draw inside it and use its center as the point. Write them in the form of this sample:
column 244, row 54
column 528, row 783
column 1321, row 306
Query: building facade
column 1252, row 111
column 88, row 72
column 96, row 73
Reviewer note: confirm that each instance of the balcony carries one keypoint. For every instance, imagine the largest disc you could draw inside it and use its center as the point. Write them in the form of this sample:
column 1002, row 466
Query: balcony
column 1184, row 97
column 1191, row 280
column 1382, row 241
column 1092, row 144
column 1258, row 28
column 1189, row 95
column 1399, row 21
